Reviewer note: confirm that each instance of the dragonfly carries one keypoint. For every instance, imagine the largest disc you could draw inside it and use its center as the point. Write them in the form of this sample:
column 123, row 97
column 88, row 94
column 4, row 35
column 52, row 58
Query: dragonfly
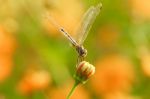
column 82, row 30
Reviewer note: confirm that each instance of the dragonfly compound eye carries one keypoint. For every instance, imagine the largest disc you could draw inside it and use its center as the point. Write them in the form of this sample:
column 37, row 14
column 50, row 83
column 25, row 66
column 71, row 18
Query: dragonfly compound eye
column 82, row 52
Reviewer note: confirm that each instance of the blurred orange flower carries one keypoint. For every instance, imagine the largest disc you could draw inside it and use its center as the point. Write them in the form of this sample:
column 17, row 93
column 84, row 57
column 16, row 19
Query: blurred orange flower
column 114, row 73
column 34, row 80
column 120, row 96
column 141, row 8
column 7, row 43
column 7, row 48
column 144, row 56
column 62, row 92
column 5, row 68
column 68, row 19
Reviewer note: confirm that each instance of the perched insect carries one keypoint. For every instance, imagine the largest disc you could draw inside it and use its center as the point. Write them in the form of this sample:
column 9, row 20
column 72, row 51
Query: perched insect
column 82, row 31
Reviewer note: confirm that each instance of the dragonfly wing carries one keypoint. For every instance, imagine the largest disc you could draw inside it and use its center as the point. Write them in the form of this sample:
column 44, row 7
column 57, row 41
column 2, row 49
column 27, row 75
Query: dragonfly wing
column 86, row 22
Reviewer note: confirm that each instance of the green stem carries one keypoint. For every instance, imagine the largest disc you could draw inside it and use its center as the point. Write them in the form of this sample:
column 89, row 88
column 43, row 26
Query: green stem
column 73, row 89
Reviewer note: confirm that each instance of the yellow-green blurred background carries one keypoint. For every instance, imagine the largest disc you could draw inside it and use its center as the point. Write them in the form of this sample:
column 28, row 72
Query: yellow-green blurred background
column 37, row 62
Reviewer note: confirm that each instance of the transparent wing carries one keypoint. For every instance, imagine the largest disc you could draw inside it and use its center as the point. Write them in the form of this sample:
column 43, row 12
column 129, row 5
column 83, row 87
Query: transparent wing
column 86, row 23
column 61, row 29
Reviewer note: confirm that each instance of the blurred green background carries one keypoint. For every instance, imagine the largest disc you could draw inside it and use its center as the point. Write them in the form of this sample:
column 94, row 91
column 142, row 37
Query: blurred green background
column 37, row 62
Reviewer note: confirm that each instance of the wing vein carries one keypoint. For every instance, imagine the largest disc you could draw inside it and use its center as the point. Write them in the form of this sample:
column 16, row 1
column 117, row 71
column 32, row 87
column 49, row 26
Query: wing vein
column 86, row 23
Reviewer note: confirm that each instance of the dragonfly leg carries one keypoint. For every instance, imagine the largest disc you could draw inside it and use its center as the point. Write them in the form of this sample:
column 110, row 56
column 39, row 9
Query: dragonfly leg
column 80, row 59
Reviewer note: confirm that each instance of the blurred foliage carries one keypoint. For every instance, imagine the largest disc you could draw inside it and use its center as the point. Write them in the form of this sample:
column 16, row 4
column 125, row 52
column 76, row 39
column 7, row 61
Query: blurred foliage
column 36, row 61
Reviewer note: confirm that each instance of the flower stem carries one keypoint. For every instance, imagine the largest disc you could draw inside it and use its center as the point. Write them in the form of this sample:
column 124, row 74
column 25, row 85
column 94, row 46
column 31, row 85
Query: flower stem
column 73, row 89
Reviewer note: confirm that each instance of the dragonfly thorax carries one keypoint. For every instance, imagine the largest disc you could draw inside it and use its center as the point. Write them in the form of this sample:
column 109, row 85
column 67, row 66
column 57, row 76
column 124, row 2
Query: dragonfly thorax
column 81, row 51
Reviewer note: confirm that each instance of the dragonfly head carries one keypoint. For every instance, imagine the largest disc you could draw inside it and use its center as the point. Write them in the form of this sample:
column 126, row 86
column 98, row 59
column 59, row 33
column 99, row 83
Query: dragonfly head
column 82, row 51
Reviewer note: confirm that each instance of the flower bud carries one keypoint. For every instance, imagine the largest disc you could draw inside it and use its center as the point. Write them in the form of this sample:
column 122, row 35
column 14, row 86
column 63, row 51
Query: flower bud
column 84, row 71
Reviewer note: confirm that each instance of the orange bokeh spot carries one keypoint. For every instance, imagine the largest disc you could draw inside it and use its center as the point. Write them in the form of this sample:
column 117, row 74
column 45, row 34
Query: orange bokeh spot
column 144, row 56
column 24, row 87
column 33, row 81
column 63, row 91
column 120, row 96
column 7, row 47
column 7, row 43
column 5, row 68
column 114, row 73
column 141, row 8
